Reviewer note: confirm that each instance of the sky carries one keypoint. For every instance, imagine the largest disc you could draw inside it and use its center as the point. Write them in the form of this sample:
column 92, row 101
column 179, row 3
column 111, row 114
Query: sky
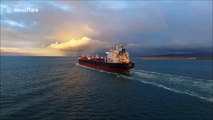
column 68, row 28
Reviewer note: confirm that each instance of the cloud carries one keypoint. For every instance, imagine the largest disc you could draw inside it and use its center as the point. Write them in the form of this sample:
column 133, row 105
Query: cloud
column 113, row 5
column 71, row 31
column 13, row 23
column 27, row 52
column 71, row 44
column 84, row 44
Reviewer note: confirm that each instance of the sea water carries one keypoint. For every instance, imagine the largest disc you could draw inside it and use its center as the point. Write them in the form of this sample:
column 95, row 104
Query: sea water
column 58, row 88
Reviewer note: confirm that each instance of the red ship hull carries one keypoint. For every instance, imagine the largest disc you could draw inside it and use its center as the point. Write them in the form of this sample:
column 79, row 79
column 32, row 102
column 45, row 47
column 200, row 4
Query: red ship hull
column 110, row 67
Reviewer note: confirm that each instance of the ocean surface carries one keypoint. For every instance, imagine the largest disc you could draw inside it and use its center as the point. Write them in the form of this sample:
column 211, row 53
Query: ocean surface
column 57, row 88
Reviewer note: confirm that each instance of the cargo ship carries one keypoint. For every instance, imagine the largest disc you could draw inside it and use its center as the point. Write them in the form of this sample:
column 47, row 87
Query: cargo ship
column 114, row 61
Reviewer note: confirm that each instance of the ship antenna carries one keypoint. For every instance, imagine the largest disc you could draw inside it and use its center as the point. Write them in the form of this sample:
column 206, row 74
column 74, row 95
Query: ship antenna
column 117, row 45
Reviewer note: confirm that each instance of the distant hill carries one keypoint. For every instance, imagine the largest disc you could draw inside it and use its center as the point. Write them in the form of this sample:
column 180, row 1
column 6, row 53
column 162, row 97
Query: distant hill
column 200, row 56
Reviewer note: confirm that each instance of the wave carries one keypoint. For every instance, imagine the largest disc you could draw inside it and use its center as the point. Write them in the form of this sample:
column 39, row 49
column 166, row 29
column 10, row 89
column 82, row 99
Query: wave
column 199, row 88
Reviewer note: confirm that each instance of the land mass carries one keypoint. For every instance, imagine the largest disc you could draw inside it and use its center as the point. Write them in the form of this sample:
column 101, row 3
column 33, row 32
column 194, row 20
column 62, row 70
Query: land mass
column 200, row 56
column 175, row 58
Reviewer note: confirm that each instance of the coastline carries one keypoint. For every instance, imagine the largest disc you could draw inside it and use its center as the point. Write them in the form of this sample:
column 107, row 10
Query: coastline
column 175, row 58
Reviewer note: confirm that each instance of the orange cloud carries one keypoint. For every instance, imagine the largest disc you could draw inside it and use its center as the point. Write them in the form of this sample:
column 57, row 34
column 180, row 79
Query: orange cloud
column 60, row 49
column 33, row 51
column 71, row 44
column 63, row 36
column 68, row 32
column 84, row 44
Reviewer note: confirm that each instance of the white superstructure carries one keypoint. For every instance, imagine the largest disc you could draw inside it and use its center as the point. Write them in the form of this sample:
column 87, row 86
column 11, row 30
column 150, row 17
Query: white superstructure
column 119, row 55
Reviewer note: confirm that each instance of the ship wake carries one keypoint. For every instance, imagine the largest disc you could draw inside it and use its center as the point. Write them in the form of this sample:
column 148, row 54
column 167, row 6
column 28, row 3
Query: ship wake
column 199, row 88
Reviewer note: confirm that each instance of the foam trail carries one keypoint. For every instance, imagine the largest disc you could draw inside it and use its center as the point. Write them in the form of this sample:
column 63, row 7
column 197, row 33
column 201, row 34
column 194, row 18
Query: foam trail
column 195, row 87
column 199, row 88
